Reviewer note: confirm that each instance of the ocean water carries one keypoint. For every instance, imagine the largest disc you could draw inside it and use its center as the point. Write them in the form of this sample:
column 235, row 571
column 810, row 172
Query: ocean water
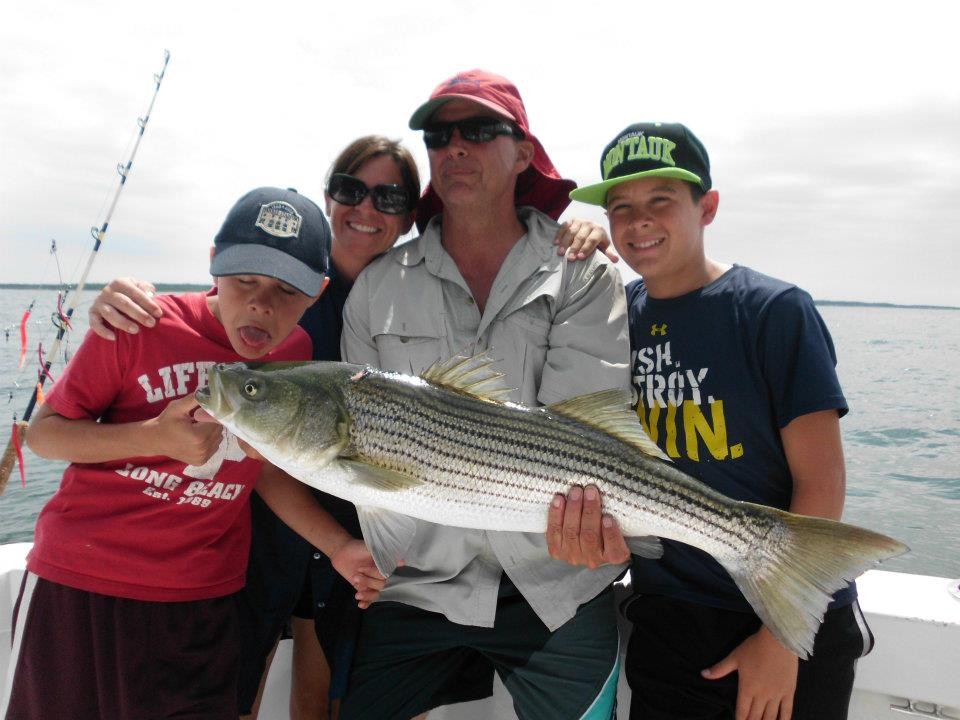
column 900, row 370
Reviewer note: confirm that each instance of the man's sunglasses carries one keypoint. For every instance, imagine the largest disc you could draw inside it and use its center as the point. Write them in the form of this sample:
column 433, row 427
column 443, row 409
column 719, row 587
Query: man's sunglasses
column 388, row 199
column 473, row 129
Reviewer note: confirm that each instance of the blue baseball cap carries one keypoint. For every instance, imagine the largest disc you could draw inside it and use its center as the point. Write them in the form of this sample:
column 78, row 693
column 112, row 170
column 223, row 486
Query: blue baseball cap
column 278, row 233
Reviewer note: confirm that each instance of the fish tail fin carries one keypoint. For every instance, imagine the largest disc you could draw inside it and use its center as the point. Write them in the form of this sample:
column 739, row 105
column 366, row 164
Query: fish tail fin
column 789, row 580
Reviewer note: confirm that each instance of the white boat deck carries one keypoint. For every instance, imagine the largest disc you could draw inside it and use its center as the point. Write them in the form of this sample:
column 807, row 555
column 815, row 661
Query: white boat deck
column 913, row 671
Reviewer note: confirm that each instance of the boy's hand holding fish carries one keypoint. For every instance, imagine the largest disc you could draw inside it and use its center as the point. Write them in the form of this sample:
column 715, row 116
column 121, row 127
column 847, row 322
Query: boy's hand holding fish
column 176, row 434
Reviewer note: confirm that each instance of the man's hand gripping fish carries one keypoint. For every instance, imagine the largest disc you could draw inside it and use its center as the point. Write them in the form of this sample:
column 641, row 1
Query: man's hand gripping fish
column 442, row 447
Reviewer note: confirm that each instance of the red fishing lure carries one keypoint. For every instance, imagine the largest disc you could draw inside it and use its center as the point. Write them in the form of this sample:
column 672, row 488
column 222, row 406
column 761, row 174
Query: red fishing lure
column 23, row 336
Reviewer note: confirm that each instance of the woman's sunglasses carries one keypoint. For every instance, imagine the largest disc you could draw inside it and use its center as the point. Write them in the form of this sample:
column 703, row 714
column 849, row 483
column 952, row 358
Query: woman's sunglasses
column 472, row 129
column 388, row 199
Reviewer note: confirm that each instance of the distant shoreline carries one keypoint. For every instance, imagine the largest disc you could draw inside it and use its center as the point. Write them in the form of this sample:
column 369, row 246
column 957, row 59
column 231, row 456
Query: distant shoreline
column 188, row 287
column 161, row 287
column 855, row 303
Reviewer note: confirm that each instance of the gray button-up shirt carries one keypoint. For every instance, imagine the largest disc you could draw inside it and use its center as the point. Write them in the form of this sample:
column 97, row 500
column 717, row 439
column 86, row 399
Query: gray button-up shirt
column 557, row 329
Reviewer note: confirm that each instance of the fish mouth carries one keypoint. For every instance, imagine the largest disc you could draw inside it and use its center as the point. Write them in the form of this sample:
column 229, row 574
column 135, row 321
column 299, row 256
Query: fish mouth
column 212, row 398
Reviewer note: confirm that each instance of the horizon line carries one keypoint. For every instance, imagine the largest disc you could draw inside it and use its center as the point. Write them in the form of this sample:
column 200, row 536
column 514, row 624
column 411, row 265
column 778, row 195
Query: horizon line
column 172, row 286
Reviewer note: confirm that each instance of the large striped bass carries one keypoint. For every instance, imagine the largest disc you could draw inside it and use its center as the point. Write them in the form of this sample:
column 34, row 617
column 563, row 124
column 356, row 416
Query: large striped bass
column 442, row 447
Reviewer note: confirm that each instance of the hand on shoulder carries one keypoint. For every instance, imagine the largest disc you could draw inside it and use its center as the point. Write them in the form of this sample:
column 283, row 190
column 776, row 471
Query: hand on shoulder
column 123, row 304
column 578, row 239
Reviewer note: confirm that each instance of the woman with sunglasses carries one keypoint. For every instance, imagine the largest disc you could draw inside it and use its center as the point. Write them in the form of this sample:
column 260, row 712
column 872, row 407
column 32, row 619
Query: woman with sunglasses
column 372, row 191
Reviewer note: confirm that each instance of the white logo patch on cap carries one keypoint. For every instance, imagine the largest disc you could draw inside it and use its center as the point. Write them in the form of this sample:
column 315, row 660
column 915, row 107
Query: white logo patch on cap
column 280, row 219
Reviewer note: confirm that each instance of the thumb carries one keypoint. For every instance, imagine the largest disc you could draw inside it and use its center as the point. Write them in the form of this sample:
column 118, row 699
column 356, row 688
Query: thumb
column 202, row 416
column 721, row 669
column 182, row 406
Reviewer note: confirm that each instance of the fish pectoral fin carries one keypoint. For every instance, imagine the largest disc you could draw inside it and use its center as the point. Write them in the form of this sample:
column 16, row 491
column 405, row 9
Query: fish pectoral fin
column 471, row 375
column 379, row 478
column 610, row 412
column 648, row 546
column 388, row 535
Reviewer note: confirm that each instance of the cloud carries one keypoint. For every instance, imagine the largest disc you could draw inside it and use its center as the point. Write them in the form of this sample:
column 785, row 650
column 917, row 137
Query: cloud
column 856, row 208
column 833, row 142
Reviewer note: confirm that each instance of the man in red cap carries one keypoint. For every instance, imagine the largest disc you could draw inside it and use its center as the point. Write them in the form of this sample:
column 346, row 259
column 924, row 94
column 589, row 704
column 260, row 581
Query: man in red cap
column 540, row 185
column 484, row 276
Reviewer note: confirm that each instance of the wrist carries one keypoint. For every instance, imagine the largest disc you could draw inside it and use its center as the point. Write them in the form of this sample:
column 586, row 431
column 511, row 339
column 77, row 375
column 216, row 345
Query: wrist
column 769, row 640
column 147, row 438
column 334, row 542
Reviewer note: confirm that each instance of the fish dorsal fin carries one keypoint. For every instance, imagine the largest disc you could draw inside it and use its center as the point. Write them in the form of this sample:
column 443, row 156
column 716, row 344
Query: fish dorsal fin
column 471, row 375
column 609, row 411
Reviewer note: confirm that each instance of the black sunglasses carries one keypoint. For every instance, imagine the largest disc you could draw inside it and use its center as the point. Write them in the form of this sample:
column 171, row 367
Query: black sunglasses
column 473, row 129
column 388, row 199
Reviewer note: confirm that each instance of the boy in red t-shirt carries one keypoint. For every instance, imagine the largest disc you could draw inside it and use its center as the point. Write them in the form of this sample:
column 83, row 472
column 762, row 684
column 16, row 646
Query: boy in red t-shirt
column 127, row 610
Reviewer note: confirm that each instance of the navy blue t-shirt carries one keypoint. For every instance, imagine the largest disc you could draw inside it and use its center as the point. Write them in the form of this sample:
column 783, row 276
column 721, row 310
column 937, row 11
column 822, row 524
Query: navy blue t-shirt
column 718, row 372
column 323, row 320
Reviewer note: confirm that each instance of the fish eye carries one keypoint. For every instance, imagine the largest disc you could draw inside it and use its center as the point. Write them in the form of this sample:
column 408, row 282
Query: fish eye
column 251, row 388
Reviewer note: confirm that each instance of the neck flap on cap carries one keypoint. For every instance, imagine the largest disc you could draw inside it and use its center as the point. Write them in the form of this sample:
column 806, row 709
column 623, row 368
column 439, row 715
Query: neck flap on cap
column 540, row 185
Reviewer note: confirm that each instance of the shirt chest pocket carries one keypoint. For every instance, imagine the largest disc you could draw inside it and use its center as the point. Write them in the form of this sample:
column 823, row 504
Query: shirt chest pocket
column 528, row 316
column 527, row 332
column 408, row 344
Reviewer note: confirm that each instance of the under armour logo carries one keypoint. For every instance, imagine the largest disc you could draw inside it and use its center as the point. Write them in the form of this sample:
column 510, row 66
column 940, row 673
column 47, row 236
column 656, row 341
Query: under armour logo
column 658, row 329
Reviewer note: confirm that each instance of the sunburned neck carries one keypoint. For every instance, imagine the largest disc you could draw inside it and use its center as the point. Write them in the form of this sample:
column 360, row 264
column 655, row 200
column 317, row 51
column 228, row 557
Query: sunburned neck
column 481, row 237
column 479, row 248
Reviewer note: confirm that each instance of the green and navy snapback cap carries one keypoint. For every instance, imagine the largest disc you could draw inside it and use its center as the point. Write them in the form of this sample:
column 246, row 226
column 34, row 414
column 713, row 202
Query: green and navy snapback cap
column 649, row 150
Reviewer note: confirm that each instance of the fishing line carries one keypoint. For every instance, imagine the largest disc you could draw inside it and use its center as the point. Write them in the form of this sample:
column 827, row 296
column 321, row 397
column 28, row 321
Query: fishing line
column 13, row 454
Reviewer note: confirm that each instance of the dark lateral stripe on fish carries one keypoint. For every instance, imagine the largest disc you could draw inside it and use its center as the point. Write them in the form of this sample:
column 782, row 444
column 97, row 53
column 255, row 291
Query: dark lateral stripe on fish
column 428, row 426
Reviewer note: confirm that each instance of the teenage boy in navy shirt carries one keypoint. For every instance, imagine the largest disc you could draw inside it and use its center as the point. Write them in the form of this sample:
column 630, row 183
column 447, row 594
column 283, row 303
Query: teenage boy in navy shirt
column 734, row 378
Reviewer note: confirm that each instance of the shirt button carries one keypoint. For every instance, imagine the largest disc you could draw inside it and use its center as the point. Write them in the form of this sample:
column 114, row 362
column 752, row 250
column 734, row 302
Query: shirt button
column 316, row 556
column 320, row 604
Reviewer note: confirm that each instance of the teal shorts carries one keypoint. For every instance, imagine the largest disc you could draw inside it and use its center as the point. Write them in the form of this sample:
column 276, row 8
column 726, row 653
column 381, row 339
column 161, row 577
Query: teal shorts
column 409, row 661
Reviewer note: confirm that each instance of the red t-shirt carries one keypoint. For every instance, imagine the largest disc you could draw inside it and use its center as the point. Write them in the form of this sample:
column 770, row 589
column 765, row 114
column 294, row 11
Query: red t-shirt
column 150, row 528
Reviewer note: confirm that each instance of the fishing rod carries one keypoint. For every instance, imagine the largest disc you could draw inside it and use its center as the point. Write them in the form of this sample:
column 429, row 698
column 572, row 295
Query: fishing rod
column 13, row 453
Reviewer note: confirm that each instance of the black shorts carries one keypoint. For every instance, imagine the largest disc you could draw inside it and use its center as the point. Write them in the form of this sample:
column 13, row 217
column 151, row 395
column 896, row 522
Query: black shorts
column 85, row 656
column 410, row 660
column 286, row 576
column 673, row 640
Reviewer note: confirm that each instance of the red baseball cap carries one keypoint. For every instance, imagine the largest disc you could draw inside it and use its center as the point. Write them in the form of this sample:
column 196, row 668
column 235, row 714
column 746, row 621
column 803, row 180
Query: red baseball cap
column 540, row 185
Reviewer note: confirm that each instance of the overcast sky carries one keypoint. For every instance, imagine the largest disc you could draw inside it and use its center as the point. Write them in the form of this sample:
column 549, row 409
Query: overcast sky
column 833, row 127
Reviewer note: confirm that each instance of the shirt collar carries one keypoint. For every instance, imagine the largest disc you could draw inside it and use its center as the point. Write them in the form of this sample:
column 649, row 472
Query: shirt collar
column 537, row 240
